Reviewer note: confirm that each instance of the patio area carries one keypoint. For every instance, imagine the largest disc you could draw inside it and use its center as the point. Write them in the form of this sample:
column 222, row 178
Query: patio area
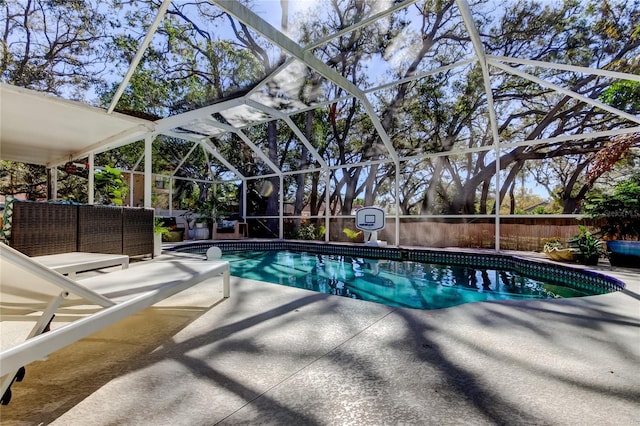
column 271, row 354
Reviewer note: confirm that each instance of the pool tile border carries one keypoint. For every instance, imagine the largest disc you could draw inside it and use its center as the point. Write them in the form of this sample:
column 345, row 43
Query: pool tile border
column 578, row 278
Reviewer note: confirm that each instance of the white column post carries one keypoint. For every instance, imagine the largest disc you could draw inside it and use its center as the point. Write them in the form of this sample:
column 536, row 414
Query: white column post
column 53, row 177
column 171, row 196
column 397, row 201
column 327, row 197
column 281, row 218
column 92, row 186
column 131, row 188
column 148, row 140
column 244, row 200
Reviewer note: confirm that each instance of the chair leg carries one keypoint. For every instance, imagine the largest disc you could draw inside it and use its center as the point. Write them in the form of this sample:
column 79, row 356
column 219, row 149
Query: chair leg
column 6, row 385
column 42, row 326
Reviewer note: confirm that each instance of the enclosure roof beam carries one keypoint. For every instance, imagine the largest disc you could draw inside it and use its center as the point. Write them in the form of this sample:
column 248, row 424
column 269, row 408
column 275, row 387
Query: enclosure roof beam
column 259, row 152
column 251, row 145
column 243, row 14
column 305, row 141
column 184, row 159
column 180, row 120
column 418, row 76
column 275, row 113
column 212, row 150
column 262, row 177
column 529, row 142
column 594, row 102
column 297, row 111
column 578, row 136
column 136, row 60
column 567, row 67
column 360, row 24
column 467, row 17
column 478, row 47
column 137, row 163
column 221, row 159
column 357, row 25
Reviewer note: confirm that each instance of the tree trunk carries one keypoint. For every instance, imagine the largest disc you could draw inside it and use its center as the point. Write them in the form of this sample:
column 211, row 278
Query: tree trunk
column 430, row 193
column 273, row 200
column 350, row 191
column 300, row 178
column 370, row 186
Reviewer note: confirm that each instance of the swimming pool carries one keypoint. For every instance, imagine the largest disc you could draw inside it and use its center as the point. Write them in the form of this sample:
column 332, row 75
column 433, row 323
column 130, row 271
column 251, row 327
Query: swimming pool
column 403, row 282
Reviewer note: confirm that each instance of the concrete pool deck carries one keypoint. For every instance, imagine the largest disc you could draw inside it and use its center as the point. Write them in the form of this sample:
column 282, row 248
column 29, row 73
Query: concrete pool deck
column 277, row 355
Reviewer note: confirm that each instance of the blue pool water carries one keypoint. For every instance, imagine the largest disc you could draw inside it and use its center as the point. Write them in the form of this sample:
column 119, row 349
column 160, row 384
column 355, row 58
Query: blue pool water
column 393, row 283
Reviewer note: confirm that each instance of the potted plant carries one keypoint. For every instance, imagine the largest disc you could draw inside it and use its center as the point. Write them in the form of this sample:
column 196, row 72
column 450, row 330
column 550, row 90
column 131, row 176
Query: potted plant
column 158, row 231
column 589, row 247
column 620, row 211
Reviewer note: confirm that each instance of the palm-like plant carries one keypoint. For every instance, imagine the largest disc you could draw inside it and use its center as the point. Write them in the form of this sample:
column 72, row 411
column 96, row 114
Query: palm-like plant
column 620, row 209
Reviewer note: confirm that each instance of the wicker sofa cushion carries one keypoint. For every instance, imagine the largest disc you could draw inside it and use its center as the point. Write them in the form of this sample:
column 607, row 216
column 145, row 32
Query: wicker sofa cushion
column 45, row 228
column 42, row 228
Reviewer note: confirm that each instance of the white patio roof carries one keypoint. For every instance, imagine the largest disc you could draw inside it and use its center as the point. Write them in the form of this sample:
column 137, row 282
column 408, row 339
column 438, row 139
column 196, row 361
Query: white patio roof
column 37, row 128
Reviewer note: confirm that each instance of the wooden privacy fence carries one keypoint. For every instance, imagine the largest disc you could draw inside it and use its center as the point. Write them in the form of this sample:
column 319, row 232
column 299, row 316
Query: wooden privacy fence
column 516, row 233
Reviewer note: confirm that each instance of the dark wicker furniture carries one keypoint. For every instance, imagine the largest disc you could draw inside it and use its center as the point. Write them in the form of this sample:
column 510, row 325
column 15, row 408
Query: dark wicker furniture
column 40, row 229
column 137, row 231
column 100, row 229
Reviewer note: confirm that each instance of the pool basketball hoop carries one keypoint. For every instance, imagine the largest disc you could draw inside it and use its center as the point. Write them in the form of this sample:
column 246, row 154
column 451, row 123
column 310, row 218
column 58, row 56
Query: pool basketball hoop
column 370, row 220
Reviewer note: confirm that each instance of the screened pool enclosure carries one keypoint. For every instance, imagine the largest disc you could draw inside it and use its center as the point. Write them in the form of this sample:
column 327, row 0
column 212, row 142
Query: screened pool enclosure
column 298, row 112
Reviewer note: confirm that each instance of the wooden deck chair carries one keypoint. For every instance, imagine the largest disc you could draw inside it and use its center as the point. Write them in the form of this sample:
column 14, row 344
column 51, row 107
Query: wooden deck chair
column 29, row 291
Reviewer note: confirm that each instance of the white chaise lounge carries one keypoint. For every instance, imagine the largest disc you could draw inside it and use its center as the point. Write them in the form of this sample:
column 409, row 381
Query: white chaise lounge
column 71, row 263
column 30, row 291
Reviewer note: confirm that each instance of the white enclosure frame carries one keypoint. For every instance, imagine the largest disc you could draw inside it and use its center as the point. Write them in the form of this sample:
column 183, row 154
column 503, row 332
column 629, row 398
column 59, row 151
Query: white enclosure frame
column 169, row 126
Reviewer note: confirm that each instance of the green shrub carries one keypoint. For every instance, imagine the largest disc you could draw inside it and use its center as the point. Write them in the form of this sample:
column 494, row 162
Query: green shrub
column 307, row 231
column 620, row 209
column 351, row 234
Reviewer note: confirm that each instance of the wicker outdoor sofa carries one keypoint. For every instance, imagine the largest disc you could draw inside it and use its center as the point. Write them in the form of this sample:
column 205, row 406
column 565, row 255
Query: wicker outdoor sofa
column 44, row 228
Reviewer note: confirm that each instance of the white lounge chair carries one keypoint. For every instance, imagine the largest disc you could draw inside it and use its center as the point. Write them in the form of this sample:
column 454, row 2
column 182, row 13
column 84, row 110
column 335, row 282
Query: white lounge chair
column 30, row 291
column 71, row 263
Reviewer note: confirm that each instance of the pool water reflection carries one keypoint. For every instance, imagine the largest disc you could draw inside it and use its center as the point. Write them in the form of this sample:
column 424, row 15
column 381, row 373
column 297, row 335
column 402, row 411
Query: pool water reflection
column 393, row 283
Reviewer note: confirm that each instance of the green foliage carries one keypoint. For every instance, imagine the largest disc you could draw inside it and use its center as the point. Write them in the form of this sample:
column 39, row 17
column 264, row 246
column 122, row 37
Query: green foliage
column 110, row 188
column 590, row 247
column 321, row 231
column 351, row 234
column 308, row 231
column 124, row 157
column 621, row 209
column 624, row 95
column 159, row 228
column 540, row 210
column 20, row 178
column 552, row 243
column 54, row 46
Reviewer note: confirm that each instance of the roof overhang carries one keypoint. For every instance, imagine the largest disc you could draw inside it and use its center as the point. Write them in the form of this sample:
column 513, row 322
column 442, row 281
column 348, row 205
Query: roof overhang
column 37, row 128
